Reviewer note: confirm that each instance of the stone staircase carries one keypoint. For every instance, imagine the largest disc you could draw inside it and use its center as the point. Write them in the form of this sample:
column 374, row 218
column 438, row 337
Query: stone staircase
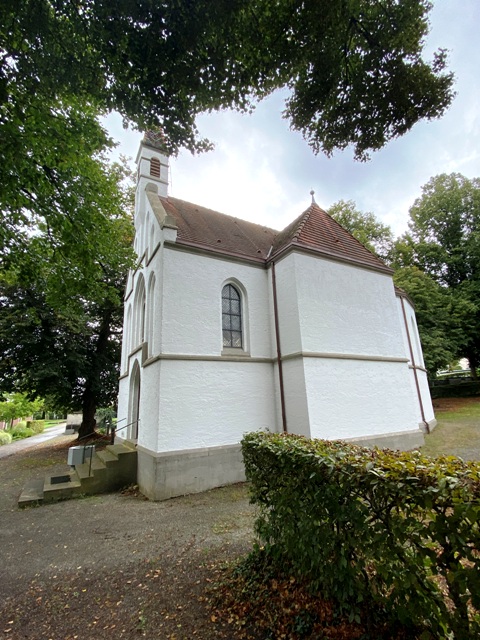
column 111, row 469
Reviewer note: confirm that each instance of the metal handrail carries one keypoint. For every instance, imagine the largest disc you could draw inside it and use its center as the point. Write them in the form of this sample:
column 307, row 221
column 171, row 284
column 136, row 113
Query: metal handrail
column 114, row 429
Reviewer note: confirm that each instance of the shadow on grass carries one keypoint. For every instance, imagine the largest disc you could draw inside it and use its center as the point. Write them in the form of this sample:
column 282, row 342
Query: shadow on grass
column 458, row 429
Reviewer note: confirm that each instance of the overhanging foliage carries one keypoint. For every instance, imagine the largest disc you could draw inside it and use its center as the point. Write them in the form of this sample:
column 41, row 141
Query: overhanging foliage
column 355, row 68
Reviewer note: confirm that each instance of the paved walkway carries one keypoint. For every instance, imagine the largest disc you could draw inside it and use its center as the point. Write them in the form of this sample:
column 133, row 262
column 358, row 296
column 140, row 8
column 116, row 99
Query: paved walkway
column 21, row 445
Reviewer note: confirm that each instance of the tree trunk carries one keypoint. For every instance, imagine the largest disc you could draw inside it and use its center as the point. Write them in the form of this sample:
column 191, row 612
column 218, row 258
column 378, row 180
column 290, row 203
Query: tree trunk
column 94, row 383
column 89, row 406
column 473, row 362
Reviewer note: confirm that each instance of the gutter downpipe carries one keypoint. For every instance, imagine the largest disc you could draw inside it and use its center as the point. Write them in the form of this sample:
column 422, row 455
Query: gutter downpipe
column 279, row 352
column 414, row 366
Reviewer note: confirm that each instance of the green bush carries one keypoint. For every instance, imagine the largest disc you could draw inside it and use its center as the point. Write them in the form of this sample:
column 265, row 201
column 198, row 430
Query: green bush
column 375, row 530
column 37, row 426
column 5, row 437
column 19, row 433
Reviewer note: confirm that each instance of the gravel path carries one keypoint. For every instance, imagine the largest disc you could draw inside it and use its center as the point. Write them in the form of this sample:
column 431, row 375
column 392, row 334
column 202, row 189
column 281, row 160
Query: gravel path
column 116, row 562
column 29, row 443
column 119, row 566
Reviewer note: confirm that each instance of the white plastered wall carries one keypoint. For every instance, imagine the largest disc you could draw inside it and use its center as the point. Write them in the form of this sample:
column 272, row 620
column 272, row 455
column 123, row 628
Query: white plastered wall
column 207, row 404
column 132, row 351
column 192, row 313
column 356, row 398
column 346, row 309
column 348, row 343
column 192, row 396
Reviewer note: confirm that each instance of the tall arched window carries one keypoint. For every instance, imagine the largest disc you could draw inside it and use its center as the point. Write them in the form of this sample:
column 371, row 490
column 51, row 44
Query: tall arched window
column 232, row 317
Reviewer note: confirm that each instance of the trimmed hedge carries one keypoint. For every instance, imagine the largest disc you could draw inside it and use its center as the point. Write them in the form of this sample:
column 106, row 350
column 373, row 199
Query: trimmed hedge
column 18, row 432
column 5, row 437
column 373, row 529
column 459, row 390
column 37, row 426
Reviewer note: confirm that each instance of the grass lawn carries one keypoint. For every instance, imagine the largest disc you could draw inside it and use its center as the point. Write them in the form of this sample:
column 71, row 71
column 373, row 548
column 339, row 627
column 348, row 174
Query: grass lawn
column 52, row 423
column 458, row 429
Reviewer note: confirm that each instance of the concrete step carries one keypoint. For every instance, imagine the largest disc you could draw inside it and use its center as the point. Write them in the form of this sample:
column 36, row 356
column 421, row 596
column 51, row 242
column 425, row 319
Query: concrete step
column 32, row 493
column 109, row 470
column 61, row 487
column 88, row 469
column 107, row 457
column 121, row 450
column 129, row 444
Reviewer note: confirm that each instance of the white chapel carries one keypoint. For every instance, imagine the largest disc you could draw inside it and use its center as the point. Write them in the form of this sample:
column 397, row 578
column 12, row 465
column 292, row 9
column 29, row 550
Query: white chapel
column 233, row 327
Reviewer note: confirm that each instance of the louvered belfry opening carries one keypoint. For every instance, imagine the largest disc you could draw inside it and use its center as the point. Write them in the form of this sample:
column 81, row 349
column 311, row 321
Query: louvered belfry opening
column 155, row 167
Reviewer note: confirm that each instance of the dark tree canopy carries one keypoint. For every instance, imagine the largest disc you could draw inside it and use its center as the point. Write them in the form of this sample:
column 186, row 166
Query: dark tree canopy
column 354, row 67
column 48, row 354
column 61, row 293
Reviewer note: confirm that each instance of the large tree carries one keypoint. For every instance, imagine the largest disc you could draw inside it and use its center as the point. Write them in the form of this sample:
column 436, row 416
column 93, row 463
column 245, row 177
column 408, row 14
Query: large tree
column 70, row 358
column 444, row 243
column 354, row 68
column 61, row 295
column 439, row 317
column 364, row 226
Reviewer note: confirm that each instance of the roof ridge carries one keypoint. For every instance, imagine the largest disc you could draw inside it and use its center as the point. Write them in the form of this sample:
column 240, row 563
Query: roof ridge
column 303, row 221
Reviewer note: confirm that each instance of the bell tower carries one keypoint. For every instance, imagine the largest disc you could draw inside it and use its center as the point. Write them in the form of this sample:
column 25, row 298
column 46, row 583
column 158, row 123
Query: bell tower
column 152, row 167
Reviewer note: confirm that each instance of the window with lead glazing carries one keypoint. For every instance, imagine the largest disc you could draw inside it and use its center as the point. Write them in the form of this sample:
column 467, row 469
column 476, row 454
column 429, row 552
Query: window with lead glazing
column 231, row 317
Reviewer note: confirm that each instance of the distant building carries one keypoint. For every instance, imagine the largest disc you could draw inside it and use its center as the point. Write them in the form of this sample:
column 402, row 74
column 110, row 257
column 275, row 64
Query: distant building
column 233, row 327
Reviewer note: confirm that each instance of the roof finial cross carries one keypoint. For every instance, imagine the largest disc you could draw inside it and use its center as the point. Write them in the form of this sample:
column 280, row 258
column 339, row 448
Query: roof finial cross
column 312, row 193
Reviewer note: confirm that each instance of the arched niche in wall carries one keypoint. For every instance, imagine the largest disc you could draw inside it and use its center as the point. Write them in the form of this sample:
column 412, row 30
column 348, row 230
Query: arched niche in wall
column 146, row 249
column 127, row 337
column 139, row 304
column 151, row 314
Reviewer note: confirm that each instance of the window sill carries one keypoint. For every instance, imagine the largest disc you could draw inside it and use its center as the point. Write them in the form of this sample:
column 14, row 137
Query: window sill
column 231, row 351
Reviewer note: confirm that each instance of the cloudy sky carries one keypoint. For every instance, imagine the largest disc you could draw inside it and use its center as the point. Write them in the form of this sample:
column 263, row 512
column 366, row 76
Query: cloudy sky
column 263, row 172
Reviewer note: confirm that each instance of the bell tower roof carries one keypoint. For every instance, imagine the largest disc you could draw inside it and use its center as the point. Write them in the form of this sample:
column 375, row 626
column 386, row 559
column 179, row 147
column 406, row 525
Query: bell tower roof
column 155, row 139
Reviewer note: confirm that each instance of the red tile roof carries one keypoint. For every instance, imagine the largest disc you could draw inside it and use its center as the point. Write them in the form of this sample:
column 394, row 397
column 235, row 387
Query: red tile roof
column 204, row 228
column 314, row 231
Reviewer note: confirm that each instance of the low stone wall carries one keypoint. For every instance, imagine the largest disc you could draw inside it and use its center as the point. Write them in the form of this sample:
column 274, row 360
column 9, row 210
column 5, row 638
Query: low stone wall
column 176, row 473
